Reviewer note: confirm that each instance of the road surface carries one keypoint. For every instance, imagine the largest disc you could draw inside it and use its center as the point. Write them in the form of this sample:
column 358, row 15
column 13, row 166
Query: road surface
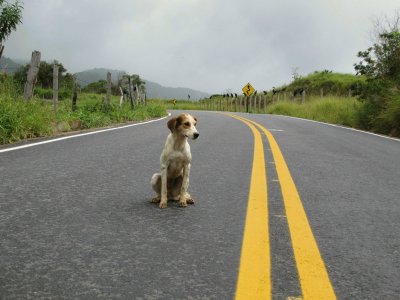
column 76, row 222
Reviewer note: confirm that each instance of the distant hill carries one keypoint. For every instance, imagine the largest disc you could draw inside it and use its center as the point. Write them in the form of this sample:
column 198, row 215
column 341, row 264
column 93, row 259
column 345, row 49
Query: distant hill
column 8, row 65
column 154, row 90
column 94, row 75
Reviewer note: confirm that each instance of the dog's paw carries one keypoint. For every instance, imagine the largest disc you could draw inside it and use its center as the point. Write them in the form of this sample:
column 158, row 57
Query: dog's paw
column 156, row 199
column 182, row 203
column 190, row 201
column 163, row 204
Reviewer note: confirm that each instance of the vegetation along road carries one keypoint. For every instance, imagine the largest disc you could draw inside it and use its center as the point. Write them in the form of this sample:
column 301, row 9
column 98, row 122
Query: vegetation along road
column 285, row 209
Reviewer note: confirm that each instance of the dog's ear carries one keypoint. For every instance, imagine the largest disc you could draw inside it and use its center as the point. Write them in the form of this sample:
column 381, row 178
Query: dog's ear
column 171, row 124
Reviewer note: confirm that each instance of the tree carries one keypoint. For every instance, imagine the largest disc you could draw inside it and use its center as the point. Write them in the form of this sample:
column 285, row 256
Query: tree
column 136, row 80
column 382, row 60
column 381, row 92
column 10, row 17
column 45, row 75
column 44, row 81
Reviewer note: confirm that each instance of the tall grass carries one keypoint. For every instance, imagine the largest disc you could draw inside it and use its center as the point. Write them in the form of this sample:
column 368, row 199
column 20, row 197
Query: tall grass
column 335, row 110
column 20, row 119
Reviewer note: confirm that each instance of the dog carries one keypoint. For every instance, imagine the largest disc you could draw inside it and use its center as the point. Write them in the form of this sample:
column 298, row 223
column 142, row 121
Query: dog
column 173, row 181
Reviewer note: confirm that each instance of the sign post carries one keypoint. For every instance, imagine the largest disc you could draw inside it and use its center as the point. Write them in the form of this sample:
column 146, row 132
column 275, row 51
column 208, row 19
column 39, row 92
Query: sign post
column 248, row 90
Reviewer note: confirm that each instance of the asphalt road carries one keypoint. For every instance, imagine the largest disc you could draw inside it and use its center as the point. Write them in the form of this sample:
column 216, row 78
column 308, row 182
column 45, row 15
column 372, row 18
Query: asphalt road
column 76, row 222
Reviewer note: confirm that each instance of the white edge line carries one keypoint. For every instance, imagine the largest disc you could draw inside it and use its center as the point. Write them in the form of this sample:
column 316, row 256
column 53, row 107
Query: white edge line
column 80, row 134
column 339, row 126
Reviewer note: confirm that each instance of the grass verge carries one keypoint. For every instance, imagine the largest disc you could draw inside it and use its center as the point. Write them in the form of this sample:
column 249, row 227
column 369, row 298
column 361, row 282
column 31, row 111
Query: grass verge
column 20, row 120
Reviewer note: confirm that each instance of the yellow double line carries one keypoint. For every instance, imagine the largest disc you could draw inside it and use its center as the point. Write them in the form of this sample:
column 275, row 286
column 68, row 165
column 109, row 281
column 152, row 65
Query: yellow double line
column 254, row 279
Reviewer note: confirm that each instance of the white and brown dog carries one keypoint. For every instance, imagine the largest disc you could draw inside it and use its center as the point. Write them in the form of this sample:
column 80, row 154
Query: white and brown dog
column 173, row 181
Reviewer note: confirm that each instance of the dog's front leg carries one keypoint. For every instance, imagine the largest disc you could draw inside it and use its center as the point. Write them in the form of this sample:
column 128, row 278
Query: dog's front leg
column 164, row 192
column 185, row 185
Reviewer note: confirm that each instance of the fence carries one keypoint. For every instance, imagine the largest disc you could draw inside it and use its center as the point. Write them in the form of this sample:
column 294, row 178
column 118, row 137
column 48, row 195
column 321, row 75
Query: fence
column 137, row 94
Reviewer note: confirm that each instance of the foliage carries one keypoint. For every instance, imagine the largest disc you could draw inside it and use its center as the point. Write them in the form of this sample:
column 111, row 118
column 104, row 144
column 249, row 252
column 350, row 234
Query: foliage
column 136, row 80
column 381, row 93
column 335, row 110
column 10, row 17
column 45, row 76
column 100, row 87
column 382, row 60
column 336, row 84
column 20, row 119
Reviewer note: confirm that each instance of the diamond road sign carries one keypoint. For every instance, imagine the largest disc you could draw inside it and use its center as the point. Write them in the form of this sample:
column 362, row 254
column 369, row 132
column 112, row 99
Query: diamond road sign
column 248, row 89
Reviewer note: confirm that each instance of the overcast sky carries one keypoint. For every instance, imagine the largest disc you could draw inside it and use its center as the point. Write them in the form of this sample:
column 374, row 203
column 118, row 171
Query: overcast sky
column 209, row 45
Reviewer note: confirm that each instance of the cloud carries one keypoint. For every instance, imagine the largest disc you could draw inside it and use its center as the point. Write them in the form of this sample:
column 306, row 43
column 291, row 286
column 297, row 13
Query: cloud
column 211, row 45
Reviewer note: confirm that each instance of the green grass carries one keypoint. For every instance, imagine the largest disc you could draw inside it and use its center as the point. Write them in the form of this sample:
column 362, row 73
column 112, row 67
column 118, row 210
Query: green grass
column 335, row 110
column 21, row 120
column 179, row 105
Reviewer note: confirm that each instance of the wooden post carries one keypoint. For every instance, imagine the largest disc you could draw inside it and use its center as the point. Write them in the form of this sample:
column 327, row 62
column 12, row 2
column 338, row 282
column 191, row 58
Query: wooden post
column 130, row 91
column 55, row 87
column 108, row 89
column 249, row 104
column 32, row 74
column 121, row 100
column 137, row 94
column 265, row 104
column 321, row 92
column 303, row 96
column 75, row 94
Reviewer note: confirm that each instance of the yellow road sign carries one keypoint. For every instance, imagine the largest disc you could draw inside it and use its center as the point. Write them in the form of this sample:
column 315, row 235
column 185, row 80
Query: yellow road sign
column 248, row 89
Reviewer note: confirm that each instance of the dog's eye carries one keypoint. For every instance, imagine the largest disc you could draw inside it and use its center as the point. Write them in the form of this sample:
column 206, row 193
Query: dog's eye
column 187, row 124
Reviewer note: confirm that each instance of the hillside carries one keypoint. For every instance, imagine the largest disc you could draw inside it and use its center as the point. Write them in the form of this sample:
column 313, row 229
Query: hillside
column 330, row 83
column 8, row 66
column 154, row 90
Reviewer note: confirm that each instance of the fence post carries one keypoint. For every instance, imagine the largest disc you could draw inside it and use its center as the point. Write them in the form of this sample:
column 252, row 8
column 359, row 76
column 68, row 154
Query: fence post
column 303, row 96
column 55, row 87
column 235, row 99
column 137, row 97
column 121, row 100
column 321, row 92
column 130, row 91
column 32, row 74
column 75, row 94
column 265, row 103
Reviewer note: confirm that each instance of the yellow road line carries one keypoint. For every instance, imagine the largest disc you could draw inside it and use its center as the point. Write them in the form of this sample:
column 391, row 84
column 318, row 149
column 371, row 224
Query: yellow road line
column 314, row 278
column 254, row 279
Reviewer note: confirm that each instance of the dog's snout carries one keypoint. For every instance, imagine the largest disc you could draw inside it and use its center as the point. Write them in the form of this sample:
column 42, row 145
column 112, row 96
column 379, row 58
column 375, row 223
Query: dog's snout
column 196, row 135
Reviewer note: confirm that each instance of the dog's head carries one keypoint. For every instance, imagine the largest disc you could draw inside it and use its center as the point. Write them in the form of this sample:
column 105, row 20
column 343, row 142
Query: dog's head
column 185, row 125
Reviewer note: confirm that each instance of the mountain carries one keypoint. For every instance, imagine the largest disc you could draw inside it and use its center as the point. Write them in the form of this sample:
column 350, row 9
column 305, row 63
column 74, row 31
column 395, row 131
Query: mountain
column 94, row 75
column 8, row 65
column 154, row 90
